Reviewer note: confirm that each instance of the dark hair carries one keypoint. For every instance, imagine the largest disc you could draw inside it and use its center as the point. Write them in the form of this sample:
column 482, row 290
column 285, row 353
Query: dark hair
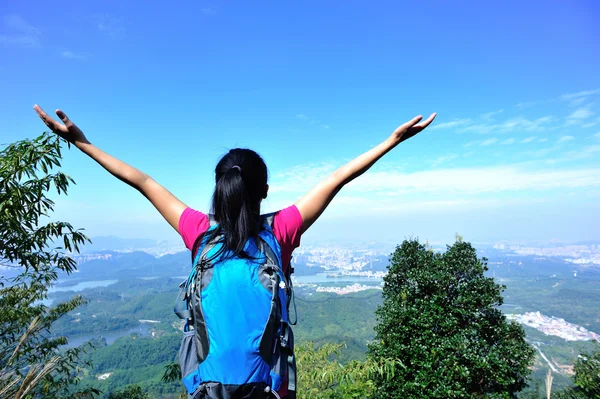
column 241, row 183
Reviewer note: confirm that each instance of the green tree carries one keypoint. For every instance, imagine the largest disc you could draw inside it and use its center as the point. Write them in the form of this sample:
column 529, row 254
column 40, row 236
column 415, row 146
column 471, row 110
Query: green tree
column 31, row 362
column 440, row 317
column 587, row 376
column 131, row 392
column 322, row 376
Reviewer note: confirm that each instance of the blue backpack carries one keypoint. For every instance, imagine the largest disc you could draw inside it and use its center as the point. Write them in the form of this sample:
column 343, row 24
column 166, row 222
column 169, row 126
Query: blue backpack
column 237, row 340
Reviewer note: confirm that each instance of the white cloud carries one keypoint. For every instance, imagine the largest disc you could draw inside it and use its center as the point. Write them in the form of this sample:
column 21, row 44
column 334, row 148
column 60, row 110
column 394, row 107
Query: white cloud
column 597, row 135
column 580, row 114
column 18, row 24
column 477, row 180
column 543, row 140
column 74, row 56
column 19, row 32
column 577, row 101
column 487, row 123
column 306, row 175
column 592, row 149
column 312, row 121
column 526, row 104
column 528, row 139
column 585, row 152
column 511, row 125
column 451, row 124
column 489, row 117
column 111, row 25
column 564, row 139
column 480, row 128
column 489, row 142
column 574, row 99
column 508, row 141
column 530, row 125
column 462, row 181
column 444, row 158
column 584, row 93
column 539, row 152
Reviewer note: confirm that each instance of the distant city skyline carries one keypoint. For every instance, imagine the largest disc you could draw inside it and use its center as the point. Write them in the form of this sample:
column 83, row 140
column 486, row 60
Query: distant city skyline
column 513, row 155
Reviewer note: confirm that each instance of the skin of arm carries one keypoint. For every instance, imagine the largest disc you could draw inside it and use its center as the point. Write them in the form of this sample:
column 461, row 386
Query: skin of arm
column 312, row 205
column 166, row 203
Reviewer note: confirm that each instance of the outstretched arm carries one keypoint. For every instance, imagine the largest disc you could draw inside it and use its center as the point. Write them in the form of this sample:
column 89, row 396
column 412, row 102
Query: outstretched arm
column 312, row 205
column 166, row 203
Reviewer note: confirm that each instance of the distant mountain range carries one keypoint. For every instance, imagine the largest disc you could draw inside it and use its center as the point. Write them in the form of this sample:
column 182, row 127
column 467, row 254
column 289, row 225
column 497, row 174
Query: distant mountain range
column 112, row 243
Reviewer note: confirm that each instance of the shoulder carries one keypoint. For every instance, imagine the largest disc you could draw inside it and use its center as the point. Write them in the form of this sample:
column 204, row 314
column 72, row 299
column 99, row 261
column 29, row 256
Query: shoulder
column 289, row 216
column 287, row 224
column 192, row 223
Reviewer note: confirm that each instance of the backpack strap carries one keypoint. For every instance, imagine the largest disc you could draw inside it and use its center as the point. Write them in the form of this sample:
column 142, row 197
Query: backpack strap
column 288, row 347
column 186, row 288
column 287, row 335
column 264, row 245
column 212, row 220
column 267, row 221
column 266, row 249
column 181, row 305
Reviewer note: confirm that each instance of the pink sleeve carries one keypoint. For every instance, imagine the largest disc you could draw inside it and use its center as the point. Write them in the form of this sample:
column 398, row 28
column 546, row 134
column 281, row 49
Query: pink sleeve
column 287, row 224
column 192, row 223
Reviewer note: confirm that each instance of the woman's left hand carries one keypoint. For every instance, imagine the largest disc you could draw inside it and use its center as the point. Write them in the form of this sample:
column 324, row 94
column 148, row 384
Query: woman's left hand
column 411, row 128
column 69, row 131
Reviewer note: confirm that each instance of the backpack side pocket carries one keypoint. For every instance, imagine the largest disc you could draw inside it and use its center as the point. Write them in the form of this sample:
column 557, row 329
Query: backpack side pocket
column 188, row 361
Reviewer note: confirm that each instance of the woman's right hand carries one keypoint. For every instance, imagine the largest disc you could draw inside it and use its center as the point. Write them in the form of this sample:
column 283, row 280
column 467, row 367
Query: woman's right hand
column 69, row 131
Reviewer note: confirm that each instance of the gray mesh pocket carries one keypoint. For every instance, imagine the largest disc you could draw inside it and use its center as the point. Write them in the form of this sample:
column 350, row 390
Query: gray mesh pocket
column 188, row 361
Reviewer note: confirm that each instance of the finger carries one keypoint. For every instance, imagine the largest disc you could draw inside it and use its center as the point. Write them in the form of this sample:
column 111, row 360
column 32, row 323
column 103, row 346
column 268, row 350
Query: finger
column 427, row 122
column 63, row 117
column 51, row 123
column 41, row 113
column 412, row 122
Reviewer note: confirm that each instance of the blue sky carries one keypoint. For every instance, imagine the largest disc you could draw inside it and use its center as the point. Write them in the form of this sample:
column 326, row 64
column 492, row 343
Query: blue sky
column 512, row 156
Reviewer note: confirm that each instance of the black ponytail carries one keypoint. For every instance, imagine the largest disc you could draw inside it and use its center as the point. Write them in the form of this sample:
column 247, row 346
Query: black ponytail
column 241, row 184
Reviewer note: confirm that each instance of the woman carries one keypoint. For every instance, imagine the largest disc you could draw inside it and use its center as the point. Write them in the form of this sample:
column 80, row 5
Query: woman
column 241, row 185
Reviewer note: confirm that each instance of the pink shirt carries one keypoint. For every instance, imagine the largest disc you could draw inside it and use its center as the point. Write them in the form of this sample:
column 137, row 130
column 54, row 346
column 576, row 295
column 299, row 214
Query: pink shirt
column 286, row 227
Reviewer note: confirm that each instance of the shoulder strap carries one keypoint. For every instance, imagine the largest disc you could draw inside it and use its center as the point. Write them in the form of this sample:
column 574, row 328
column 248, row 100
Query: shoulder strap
column 267, row 222
column 265, row 235
column 207, row 245
column 266, row 249
column 268, row 219
column 212, row 220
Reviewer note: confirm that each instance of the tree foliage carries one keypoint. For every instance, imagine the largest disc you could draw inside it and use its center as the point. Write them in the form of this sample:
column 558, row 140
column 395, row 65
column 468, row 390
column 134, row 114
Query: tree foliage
column 322, row 376
column 587, row 376
column 31, row 364
column 440, row 317
column 131, row 392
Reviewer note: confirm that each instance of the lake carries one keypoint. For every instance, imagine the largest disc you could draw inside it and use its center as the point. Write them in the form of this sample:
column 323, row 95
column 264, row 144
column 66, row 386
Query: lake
column 82, row 286
column 321, row 278
column 111, row 336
